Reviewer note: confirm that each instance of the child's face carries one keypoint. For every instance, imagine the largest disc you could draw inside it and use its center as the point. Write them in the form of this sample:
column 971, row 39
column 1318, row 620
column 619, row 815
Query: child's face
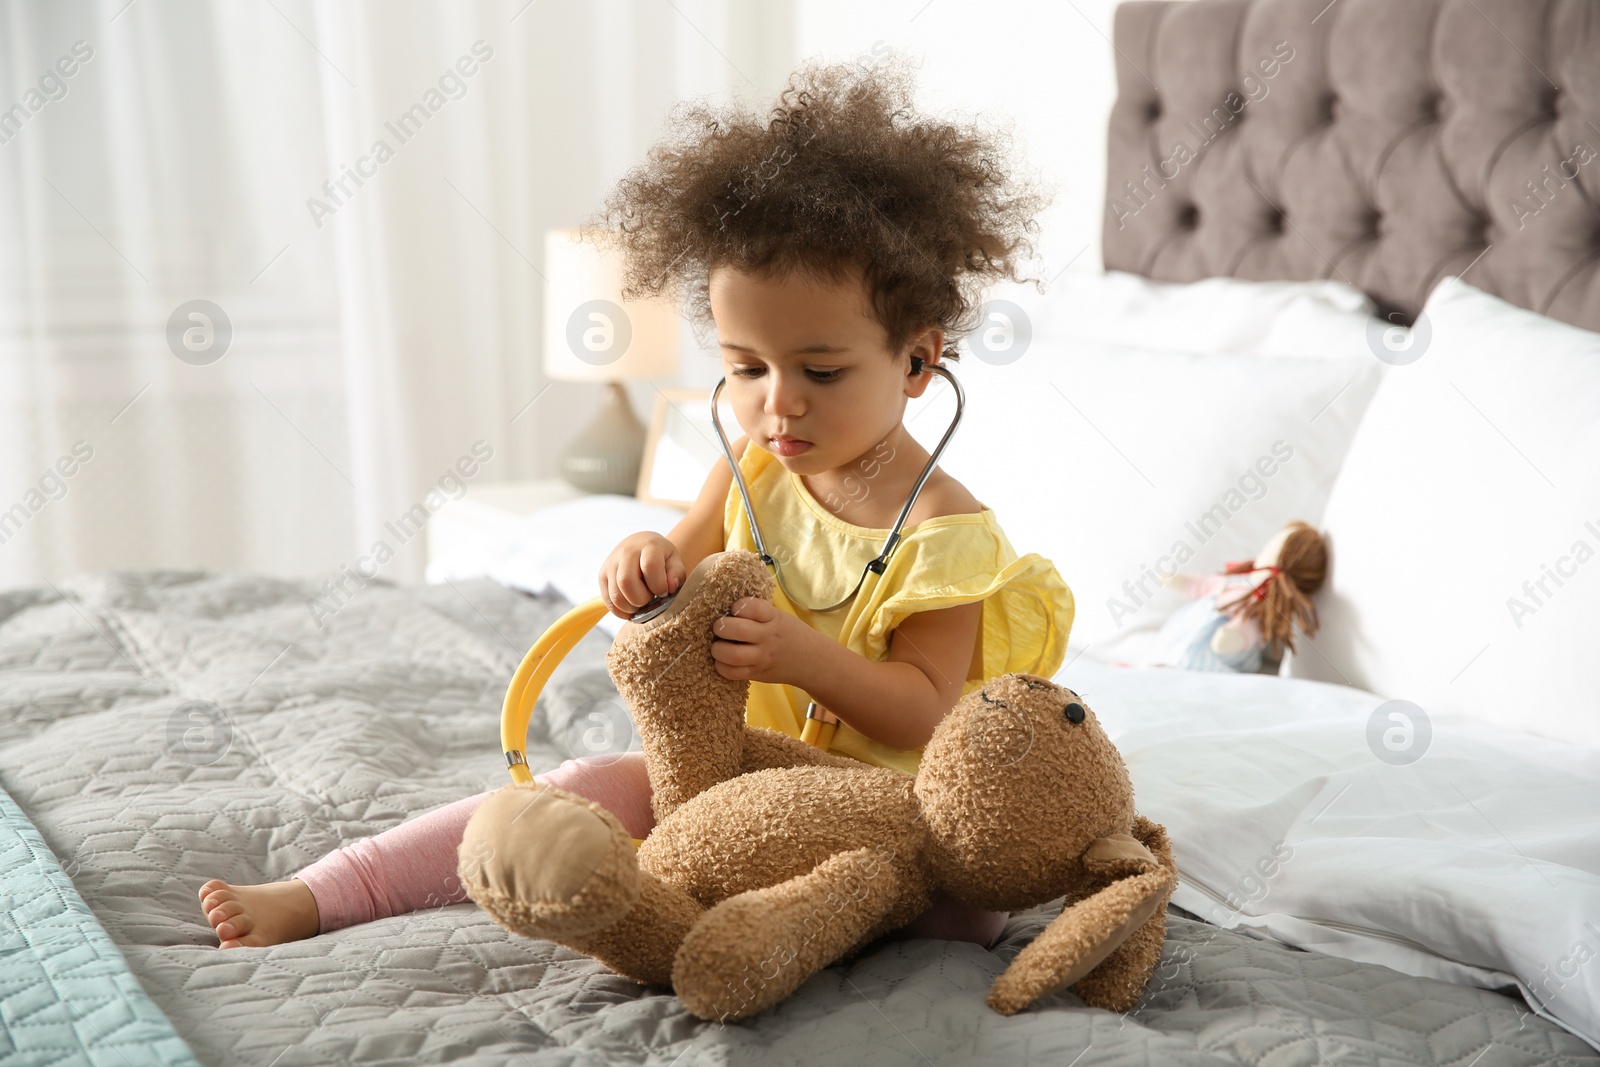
column 806, row 359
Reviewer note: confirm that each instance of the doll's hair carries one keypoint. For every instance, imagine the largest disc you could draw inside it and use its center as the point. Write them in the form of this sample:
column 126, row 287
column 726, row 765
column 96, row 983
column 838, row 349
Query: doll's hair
column 1283, row 602
column 840, row 176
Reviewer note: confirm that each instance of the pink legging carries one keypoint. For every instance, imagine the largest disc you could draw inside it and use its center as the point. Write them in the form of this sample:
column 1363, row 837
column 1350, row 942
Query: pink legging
column 413, row 866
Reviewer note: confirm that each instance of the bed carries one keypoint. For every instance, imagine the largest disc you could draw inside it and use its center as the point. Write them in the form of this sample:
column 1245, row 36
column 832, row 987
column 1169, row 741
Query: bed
column 165, row 728
column 161, row 728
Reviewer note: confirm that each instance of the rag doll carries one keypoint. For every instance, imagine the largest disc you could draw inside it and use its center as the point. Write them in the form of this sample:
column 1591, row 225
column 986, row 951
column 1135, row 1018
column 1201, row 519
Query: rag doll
column 1244, row 617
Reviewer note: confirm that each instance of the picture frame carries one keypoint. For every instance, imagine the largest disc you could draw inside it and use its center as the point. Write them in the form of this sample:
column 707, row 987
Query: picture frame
column 681, row 447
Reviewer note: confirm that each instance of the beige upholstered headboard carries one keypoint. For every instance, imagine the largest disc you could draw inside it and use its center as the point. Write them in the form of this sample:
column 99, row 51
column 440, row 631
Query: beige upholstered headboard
column 1386, row 143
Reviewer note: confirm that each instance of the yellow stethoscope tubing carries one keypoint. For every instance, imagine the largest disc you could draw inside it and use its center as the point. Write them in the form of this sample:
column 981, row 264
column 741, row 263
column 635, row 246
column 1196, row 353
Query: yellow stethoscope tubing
column 818, row 733
column 540, row 663
column 532, row 674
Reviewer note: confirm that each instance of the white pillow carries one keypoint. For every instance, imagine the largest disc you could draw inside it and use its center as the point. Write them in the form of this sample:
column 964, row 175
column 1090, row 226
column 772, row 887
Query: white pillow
column 1104, row 457
column 1220, row 315
column 1121, row 464
column 1464, row 529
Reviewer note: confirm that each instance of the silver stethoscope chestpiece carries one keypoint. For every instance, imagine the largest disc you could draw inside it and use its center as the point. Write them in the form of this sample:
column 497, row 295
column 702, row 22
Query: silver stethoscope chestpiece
column 655, row 606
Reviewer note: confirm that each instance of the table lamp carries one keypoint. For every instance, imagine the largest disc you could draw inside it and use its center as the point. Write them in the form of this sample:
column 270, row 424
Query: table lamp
column 591, row 334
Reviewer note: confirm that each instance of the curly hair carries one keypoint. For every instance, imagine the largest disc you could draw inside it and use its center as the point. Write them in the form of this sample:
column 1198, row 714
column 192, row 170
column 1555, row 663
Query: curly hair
column 842, row 176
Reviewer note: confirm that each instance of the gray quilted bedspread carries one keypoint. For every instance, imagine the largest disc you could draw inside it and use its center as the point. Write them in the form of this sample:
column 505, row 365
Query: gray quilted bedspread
column 163, row 728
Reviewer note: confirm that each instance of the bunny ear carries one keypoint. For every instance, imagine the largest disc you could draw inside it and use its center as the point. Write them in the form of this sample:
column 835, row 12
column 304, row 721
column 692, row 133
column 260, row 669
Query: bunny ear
column 1135, row 885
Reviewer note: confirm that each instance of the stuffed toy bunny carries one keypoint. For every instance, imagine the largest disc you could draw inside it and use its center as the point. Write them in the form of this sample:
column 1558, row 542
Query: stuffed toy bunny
column 772, row 859
column 1239, row 621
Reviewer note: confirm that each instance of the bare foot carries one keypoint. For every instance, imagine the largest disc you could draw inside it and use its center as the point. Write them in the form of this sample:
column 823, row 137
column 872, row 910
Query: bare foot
column 257, row 915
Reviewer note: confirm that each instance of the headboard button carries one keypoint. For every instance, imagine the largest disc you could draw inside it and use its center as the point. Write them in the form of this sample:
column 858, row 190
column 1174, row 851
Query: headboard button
column 1152, row 111
column 1330, row 109
column 1189, row 216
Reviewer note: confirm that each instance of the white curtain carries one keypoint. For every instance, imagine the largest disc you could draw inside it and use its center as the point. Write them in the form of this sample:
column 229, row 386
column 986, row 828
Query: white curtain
column 384, row 333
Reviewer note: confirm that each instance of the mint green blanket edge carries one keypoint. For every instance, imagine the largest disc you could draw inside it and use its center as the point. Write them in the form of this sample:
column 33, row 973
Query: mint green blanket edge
column 67, row 996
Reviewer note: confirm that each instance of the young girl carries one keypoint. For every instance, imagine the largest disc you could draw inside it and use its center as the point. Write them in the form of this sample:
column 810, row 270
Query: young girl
column 829, row 245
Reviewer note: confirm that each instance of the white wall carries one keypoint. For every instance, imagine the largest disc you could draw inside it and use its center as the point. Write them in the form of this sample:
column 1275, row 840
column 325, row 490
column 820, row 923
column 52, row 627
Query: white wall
column 371, row 349
column 369, row 352
column 1044, row 65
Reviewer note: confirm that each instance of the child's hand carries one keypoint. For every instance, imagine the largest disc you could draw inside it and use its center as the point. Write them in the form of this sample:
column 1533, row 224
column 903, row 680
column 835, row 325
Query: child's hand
column 641, row 567
column 760, row 642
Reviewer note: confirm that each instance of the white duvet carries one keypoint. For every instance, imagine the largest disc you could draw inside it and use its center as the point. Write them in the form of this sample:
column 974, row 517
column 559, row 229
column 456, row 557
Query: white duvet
column 1477, row 863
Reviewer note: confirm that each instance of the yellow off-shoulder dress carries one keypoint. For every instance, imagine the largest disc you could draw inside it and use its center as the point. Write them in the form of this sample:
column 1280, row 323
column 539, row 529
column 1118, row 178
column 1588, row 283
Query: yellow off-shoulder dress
column 941, row 562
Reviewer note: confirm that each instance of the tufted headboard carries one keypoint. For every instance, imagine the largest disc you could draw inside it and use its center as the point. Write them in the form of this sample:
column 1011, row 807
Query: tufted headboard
column 1386, row 143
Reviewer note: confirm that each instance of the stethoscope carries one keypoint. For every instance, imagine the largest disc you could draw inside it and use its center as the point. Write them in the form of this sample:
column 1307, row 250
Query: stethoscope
column 553, row 646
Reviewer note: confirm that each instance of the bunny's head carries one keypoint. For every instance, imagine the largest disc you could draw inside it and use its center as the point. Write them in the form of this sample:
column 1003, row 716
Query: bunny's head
column 1016, row 785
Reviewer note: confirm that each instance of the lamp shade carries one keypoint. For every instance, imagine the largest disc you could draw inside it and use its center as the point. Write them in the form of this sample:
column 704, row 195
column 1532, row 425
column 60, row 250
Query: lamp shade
column 591, row 334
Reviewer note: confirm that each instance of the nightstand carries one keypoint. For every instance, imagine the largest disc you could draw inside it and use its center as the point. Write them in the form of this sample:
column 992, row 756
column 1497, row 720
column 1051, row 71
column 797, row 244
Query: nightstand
column 485, row 510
